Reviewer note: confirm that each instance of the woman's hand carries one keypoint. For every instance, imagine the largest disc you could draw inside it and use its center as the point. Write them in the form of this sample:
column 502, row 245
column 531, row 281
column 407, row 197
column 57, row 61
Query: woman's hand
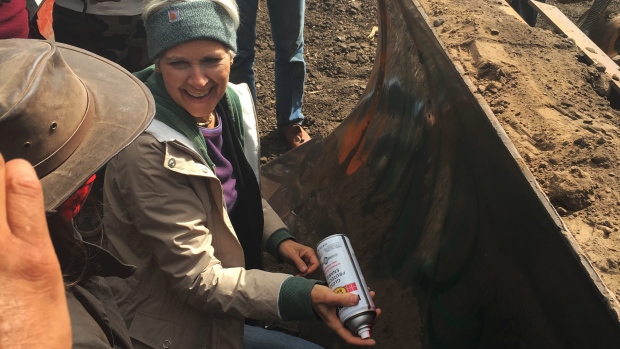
column 301, row 257
column 325, row 302
column 33, row 307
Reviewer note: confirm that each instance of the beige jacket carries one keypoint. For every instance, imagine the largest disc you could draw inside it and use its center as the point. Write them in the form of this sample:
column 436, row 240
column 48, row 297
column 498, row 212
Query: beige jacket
column 165, row 214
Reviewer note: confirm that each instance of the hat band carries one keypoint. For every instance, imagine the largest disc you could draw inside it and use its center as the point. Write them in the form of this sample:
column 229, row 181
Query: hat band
column 186, row 21
column 48, row 164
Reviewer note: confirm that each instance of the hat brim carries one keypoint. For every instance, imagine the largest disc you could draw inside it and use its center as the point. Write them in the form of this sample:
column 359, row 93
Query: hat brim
column 124, row 107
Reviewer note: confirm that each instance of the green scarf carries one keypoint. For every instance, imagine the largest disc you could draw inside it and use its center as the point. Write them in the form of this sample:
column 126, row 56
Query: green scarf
column 173, row 115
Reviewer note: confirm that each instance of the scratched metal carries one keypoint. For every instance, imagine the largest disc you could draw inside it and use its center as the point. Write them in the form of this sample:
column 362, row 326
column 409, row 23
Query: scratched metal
column 466, row 251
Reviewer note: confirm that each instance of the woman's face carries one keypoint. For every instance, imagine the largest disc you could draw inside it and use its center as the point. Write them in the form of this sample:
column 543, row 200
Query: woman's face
column 196, row 74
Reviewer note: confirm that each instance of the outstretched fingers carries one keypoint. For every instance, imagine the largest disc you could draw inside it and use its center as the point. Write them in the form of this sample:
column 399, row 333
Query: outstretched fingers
column 4, row 225
column 32, row 295
column 25, row 212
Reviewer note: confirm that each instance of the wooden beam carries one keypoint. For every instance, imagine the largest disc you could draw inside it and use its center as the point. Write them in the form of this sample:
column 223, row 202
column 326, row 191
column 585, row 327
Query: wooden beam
column 564, row 25
column 510, row 11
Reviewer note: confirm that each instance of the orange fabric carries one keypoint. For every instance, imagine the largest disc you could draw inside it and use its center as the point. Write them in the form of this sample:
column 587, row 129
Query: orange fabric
column 45, row 19
column 74, row 203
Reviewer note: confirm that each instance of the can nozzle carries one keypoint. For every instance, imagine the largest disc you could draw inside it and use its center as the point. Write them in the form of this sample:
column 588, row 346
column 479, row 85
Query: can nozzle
column 364, row 333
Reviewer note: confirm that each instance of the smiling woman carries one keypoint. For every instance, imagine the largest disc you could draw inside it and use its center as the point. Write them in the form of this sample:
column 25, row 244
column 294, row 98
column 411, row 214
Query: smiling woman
column 183, row 202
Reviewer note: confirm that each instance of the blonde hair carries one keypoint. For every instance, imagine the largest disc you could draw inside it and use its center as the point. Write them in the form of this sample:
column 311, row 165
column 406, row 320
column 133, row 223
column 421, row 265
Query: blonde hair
column 230, row 6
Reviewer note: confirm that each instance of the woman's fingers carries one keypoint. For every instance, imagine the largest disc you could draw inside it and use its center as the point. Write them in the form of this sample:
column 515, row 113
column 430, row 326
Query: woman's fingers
column 348, row 337
column 325, row 302
column 300, row 256
column 311, row 260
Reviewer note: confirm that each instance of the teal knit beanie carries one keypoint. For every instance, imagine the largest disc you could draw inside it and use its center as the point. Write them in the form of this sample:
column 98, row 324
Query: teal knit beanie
column 186, row 21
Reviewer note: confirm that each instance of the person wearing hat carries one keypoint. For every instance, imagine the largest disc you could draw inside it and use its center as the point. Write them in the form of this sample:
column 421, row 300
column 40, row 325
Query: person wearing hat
column 67, row 112
column 183, row 202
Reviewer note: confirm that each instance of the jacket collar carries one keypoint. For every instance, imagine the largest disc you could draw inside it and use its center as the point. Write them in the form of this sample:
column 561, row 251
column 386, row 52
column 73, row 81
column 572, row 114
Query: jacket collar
column 104, row 264
column 164, row 133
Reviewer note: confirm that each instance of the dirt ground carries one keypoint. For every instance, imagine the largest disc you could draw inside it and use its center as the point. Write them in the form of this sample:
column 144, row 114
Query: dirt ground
column 549, row 102
column 339, row 56
column 553, row 105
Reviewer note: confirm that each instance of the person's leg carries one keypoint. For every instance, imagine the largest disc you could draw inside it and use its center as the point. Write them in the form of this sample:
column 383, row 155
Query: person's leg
column 242, row 69
column 260, row 338
column 287, row 28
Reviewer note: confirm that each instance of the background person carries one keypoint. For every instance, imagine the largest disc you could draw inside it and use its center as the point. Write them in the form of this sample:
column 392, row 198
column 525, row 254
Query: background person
column 13, row 19
column 109, row 28
column 287, row 32
column 183, row 202
column 66, row 111
column 112, row 29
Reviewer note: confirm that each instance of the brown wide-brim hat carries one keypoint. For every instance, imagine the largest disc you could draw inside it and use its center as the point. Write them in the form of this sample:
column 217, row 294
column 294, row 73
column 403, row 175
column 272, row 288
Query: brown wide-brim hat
column 67, row 111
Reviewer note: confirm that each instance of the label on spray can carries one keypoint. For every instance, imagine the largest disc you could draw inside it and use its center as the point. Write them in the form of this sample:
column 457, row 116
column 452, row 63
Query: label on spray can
column 344, row 275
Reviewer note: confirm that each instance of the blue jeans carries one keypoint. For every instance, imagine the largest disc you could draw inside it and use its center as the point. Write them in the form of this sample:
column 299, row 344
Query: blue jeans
column 287, row 31
column 260, row 338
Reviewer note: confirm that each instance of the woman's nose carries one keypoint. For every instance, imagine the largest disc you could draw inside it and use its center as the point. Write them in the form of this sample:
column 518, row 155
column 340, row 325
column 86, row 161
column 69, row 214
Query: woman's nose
column 198, row 78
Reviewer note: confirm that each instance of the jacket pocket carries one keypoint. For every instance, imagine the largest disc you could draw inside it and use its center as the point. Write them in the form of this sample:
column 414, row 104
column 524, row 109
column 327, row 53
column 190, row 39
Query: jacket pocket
column 152, row 331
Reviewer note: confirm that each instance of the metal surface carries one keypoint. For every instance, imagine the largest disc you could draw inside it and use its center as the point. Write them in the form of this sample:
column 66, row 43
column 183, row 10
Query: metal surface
column 605, row 33
column 449, row 226
column 593, row 15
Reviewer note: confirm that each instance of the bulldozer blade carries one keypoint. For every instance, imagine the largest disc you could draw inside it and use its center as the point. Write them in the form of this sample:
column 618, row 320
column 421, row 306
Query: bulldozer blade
column 449, row 225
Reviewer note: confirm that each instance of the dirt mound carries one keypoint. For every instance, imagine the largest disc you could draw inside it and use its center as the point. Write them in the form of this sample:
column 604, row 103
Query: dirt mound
column 555, row 109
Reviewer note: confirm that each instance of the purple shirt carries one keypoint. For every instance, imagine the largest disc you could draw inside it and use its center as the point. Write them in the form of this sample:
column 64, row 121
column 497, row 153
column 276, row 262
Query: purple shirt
column 223, row 167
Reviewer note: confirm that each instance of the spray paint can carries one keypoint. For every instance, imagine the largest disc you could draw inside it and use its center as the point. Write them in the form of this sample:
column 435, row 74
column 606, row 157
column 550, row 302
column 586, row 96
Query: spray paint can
column 344, row 275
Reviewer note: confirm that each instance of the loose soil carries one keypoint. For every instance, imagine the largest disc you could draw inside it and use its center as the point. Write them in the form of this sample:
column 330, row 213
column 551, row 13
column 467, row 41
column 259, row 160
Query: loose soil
column 555, row 108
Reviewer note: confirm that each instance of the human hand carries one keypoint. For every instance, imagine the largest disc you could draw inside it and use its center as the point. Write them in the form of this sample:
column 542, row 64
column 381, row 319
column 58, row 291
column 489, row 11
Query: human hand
column 33, row 307
column 300, row 256
column 325, row 302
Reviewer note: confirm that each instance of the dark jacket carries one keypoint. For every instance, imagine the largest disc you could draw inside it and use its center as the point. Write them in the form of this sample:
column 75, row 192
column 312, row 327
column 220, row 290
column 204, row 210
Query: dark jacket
column 95, row 319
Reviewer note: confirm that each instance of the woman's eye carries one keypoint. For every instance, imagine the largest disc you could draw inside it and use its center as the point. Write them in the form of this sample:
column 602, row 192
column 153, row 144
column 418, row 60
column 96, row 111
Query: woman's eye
column 178, row 64
column 211, row 61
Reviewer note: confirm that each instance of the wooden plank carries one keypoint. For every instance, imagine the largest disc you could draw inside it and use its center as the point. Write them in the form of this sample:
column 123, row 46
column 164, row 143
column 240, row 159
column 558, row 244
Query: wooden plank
column 505, row 6
column 561, row 23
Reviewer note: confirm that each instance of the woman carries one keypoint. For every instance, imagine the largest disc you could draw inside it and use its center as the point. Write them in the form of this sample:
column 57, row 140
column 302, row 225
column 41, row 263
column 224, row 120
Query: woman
column 67, row 112
column 183, row 201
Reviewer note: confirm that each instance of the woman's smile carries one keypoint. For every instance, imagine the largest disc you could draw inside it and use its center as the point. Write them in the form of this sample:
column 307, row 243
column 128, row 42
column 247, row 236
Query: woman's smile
column 198, row 95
